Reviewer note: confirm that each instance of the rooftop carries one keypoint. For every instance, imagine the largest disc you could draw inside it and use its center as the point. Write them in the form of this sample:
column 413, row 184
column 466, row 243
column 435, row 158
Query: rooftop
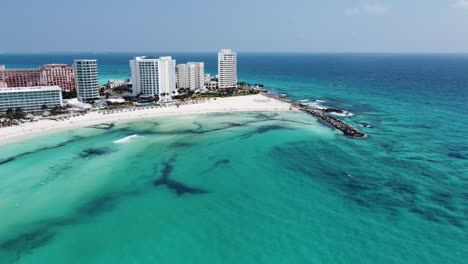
column 50, row 65
column 227, row 51
column 153, row 58
column 83, row 60
column 54, row 65
column 30, row 89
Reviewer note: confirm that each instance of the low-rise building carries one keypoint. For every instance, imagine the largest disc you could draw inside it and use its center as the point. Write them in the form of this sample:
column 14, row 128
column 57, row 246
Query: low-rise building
column 77, row 105
column 211, row 82
column 208, row 78
column 117, row 83
column 30, row 99
column 212, row 85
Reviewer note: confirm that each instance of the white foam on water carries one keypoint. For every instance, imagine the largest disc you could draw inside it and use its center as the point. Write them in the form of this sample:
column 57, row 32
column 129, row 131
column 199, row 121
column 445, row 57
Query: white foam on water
column 126, row 139
column 345, row 113
column 316, row 104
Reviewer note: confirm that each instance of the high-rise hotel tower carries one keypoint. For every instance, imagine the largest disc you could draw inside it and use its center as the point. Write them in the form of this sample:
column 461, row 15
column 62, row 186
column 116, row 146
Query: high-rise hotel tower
column 154, row 77
column 191, row 75
column 87, row 80
column 227, row 69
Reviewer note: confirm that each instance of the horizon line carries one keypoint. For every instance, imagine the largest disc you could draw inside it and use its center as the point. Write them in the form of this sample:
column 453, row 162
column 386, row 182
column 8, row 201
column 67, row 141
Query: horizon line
column 260, row 52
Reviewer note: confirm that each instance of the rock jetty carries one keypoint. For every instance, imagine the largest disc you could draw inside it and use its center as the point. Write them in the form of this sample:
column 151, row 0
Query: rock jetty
column 347, row 129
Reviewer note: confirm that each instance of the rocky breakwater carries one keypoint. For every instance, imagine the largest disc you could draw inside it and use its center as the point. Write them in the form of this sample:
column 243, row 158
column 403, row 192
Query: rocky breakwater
column 335, row 122
column 347, row 129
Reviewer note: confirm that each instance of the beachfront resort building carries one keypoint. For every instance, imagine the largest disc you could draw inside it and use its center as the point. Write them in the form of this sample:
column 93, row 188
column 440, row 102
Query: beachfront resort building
column 118, row 83
column 30, row 99
column 60, row 75
column 191, row 76
column 227, row 69
column 183, row 77
column 87, row 80
column 154, row 77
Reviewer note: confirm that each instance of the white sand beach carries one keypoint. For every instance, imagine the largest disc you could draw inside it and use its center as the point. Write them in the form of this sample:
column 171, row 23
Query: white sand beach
column 249, row 103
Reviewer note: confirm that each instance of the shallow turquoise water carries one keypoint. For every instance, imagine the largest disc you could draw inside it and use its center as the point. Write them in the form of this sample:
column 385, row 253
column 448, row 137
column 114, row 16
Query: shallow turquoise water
column 219, row 188
column 255, row 188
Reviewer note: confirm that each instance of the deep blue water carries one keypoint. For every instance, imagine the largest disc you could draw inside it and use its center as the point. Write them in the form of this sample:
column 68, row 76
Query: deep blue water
column 410, row 175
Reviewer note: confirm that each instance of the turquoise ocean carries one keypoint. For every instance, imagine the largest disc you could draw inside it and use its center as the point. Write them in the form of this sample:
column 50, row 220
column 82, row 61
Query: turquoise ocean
column 254, row 187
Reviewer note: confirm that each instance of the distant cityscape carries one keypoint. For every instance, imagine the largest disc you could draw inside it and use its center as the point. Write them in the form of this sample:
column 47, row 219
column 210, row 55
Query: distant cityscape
column 77, row 87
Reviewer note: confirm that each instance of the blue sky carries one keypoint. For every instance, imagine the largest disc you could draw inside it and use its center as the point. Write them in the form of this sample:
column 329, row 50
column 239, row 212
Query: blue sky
column 243, row 25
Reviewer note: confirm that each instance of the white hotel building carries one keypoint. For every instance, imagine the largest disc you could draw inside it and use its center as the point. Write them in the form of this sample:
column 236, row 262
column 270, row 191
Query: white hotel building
column 191, row 76
column 154, row 77
column 227, row 69
column 30, row 99
column 87, row 79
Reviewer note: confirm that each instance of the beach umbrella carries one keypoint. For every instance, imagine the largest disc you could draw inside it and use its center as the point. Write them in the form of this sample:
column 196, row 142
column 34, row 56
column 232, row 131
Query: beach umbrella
column 46, row 113
column 29, row 116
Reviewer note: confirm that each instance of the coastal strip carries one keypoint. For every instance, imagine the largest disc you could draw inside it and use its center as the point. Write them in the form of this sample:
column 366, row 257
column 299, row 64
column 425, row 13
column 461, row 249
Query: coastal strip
column 347, row 129
column 235, row 104
column 263, row 102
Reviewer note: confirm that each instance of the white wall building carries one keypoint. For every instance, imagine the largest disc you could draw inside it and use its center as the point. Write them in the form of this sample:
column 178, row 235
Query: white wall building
column 167, row 78
column 154, row 76
column 87, row 80
column 145, row 76
column 116, row 83
column 182, row 76
column 227, row 69
column 30, row 99
column 212, row 85
column 74, row 103
column 191, row 75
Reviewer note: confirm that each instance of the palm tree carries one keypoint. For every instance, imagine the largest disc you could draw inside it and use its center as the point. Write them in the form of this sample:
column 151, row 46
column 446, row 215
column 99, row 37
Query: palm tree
column 19, row 114
column 9, row 113
column 55, row 110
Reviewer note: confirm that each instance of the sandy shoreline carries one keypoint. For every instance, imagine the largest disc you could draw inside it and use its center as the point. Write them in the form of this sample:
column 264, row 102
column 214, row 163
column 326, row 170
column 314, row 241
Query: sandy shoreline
column 249, row 103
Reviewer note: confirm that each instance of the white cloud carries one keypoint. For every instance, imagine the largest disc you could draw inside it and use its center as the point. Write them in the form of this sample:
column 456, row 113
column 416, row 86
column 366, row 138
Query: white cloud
column 461, row 4
column 374, row 9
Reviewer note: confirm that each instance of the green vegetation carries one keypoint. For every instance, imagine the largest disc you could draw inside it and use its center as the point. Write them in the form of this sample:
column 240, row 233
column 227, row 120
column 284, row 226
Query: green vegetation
column 121, row 90
column 58, row 110
column 242, row 88
column 69, row 95
column 16, row 114
column 184, row 94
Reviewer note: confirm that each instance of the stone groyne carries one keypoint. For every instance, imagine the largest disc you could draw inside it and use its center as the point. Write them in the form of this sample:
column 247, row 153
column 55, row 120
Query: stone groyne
column 347, row 129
